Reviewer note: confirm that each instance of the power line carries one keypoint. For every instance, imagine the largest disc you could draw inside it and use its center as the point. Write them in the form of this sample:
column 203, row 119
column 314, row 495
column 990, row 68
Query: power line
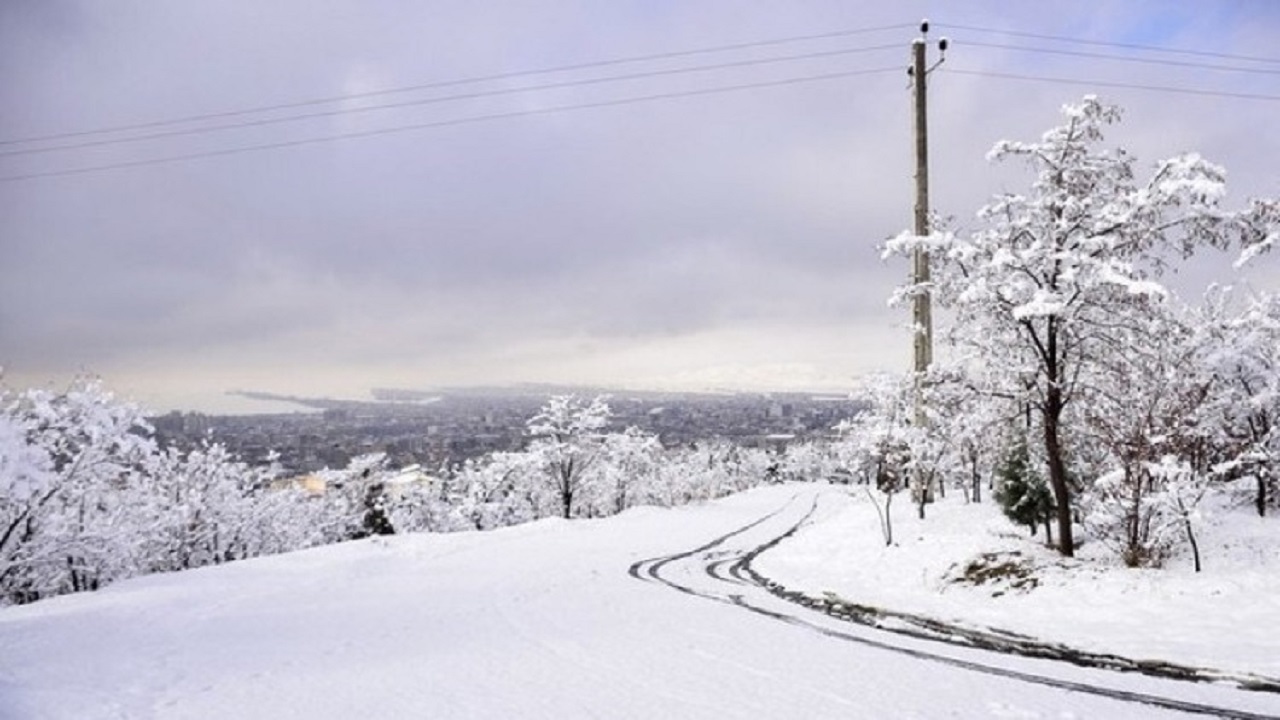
column 453, row 122
column 1103, row 43
column 464, row 81
column 615, row 102
column 1124, row 58
column 448, row 98
column 1111, row 84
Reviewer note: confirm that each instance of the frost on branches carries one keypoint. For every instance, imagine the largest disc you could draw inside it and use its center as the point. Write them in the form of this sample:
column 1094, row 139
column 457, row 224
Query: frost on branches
column 1057, row 287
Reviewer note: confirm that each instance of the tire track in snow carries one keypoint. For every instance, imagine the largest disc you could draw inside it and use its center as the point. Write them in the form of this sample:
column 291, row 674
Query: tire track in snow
column 733, row 567
column 648, row 570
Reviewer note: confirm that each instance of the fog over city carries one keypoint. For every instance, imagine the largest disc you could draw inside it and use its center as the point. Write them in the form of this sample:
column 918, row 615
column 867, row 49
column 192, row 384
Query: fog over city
column 669, row 229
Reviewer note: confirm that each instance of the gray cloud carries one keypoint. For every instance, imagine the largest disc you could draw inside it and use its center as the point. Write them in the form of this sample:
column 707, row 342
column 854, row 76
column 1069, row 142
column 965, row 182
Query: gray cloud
column 727, row 236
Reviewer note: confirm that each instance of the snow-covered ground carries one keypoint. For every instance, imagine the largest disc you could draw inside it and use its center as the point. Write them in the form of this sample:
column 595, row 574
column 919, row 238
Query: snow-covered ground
column 1226, row 617
column 637, row 616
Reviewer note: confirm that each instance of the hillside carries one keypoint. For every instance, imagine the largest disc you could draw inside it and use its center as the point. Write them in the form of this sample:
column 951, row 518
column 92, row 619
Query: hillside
column 576, row 619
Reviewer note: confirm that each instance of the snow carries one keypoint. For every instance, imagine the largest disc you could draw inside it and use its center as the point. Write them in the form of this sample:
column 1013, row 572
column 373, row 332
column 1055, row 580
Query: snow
column 1148, row 288
column 545, row 621
column 1222, row 618
column 1249, row 253
column 1192, row 176
column 1042, row 304
column 21, row 472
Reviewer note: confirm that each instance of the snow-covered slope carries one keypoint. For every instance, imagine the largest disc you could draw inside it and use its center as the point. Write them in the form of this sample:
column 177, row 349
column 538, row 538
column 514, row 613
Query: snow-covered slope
column 1226, row 617
column 538, row 621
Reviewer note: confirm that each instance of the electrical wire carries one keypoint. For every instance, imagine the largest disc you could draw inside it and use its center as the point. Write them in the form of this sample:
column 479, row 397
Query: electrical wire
column 450, row 98
column 465, row 81
column 453, row 122
column 619, row 101
column 1103, row 43
column 1111, row 84
column 1123, row 58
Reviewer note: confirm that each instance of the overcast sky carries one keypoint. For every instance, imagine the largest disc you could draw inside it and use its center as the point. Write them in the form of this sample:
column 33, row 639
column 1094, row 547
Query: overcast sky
column 721, row 240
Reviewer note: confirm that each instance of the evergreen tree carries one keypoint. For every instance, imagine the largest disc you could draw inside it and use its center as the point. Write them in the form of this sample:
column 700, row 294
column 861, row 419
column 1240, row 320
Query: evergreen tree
column 376, row 521
column 1022, row 493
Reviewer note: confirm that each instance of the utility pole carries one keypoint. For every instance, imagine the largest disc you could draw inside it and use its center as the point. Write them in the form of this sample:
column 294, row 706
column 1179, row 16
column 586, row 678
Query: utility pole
column 921, row 305
column 921, row 310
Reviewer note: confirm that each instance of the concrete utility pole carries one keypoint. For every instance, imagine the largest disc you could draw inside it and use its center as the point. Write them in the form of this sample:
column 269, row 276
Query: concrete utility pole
column 921, row 305
column 921, row 310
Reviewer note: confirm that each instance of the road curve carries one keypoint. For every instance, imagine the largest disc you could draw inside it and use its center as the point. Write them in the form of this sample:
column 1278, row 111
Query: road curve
column 719, row 570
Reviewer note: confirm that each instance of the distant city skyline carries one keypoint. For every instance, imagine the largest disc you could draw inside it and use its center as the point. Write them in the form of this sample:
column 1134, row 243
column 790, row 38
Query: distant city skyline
column 666, row 231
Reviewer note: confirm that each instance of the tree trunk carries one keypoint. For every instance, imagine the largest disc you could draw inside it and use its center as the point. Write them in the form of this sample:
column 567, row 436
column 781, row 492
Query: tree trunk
column 1134, row 525
column 888, row 521
column 886, row 525
column 1057, row 464
column 566, row 489
column 1260, row 499
column 977, row 481
column 1191, row 537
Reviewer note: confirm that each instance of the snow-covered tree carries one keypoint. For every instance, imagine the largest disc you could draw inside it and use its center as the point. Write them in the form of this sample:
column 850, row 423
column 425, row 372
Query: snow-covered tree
column 354, row 502
column 1036, row 289
column 708, row 469
column 427, row 503
column 1149, row 409
column 567, row 437
column 875, row 445
column 87, row 497
column 958, row 447
column 1242, row 352
column 64, row 492
column 808, row 461
column 628, row 472
column 204, row 507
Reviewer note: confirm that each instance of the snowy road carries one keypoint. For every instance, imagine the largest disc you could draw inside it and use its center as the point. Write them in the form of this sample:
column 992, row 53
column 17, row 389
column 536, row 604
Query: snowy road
column 717, row 571
column 647, row 615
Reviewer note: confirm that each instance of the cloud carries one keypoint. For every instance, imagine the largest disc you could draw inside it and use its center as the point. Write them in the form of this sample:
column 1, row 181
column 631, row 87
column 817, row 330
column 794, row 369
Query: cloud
column 685, row 238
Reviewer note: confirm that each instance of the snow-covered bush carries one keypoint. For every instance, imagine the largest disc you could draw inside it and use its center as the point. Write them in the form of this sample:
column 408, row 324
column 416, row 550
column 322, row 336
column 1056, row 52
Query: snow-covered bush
column 501, row 489
column 1143, row 515
column 572, row 461
column 88, row 497
column 808, row 461
column 206, row 507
